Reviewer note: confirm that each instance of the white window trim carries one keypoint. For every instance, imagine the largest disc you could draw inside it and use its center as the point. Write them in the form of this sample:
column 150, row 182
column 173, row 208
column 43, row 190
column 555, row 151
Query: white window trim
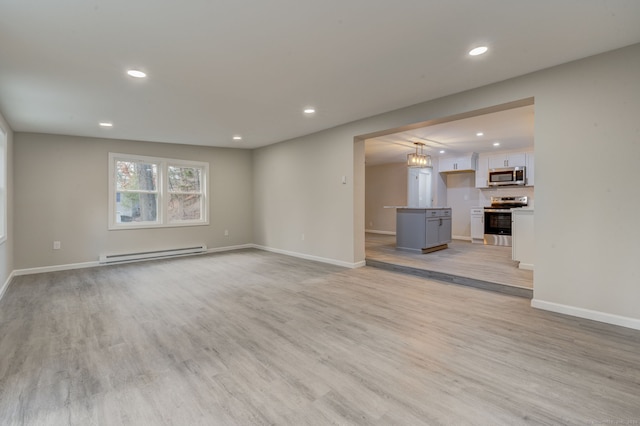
column 163, row 192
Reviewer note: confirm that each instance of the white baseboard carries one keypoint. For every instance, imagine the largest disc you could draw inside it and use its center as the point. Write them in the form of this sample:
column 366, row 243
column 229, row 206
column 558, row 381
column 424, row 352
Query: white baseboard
column 628, row 322
column 229, row 248
column 527, row 266
column 66, row 267
column 375, row 231
column 460, row 237
column 54, row 268
column 5, row 286
column 310, row 257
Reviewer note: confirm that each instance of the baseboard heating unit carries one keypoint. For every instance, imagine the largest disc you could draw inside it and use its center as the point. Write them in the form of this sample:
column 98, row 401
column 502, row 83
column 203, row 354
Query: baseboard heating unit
column 155, row 254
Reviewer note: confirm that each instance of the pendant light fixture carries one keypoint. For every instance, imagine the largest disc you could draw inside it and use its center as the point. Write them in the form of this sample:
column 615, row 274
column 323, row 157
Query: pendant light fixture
column 420, row 159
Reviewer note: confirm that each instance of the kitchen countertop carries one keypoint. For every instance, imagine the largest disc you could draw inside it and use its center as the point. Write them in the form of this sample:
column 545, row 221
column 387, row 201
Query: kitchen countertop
column 409, row 207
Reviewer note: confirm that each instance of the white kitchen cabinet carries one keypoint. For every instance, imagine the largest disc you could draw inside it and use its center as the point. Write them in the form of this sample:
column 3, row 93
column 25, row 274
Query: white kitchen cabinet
column 482, row 172
column 522, row 241
column 514, row 159
column 446, row 164
column 467, row 162
column 498, row 161
column 477, row 225
column 530, row 168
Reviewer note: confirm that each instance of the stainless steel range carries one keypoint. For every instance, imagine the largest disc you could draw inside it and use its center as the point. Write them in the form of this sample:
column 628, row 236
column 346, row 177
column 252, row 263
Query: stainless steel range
column 497, row 219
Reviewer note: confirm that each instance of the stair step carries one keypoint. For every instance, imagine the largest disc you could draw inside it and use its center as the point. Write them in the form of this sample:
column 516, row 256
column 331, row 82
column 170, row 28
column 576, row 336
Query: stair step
column 453, row 279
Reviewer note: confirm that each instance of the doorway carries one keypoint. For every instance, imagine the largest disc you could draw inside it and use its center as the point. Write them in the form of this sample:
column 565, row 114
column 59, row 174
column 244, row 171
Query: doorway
column 462, row 258
column 419, row 187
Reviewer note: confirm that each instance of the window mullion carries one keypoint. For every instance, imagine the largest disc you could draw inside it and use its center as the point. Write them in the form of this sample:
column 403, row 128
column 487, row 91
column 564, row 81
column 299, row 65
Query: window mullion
column 162, row 183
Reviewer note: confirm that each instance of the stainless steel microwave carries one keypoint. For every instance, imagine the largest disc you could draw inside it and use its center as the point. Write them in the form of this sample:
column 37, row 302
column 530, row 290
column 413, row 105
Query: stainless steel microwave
column 507, row 176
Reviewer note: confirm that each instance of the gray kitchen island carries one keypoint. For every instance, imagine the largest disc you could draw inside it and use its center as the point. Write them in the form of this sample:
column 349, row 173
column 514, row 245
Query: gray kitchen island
column 423, row 229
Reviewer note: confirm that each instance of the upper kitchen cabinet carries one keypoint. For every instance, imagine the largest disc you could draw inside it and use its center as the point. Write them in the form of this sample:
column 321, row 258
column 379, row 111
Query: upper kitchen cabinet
column 464, row 163
column 482, row 172
column 516, row 159
column 498, row 161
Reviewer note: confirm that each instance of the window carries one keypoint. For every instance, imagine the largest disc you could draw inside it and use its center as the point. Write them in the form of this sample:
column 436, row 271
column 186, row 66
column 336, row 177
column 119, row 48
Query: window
column 156, row 192
column 136, row 191
column 185, row 193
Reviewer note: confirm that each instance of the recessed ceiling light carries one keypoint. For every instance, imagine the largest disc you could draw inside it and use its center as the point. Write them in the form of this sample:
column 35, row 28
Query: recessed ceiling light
column 478, row 50
column 106, row 124
column 496, row 144
column 237, row 138
column 479, row 134
column 136, row 73
column 309, row 110
column 442, row 151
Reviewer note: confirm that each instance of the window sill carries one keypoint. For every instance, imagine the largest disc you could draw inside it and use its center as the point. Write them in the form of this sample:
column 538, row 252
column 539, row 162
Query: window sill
column 155, row 226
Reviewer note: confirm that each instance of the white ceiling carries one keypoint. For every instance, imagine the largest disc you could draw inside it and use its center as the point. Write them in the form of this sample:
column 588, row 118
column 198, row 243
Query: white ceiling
column 512, row 129
column 223, row 68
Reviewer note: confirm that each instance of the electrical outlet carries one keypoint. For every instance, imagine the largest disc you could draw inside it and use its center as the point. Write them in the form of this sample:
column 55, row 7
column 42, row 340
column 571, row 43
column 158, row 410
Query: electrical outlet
column 56, row 245
column 226, row 232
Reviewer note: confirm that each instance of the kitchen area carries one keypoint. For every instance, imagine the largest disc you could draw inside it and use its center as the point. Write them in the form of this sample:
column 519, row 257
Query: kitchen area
column 465, row 217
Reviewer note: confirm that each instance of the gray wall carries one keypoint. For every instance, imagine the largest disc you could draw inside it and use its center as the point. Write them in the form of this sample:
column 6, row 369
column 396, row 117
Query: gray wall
column 6, row 248
column 299, row 191
column 385, row 185
column 62, row 194
column 586, row 228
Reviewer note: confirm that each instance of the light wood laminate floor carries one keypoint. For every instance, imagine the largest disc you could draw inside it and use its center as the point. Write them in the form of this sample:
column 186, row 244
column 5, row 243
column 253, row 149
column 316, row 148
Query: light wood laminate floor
column 462, row 258
column 251, row 338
